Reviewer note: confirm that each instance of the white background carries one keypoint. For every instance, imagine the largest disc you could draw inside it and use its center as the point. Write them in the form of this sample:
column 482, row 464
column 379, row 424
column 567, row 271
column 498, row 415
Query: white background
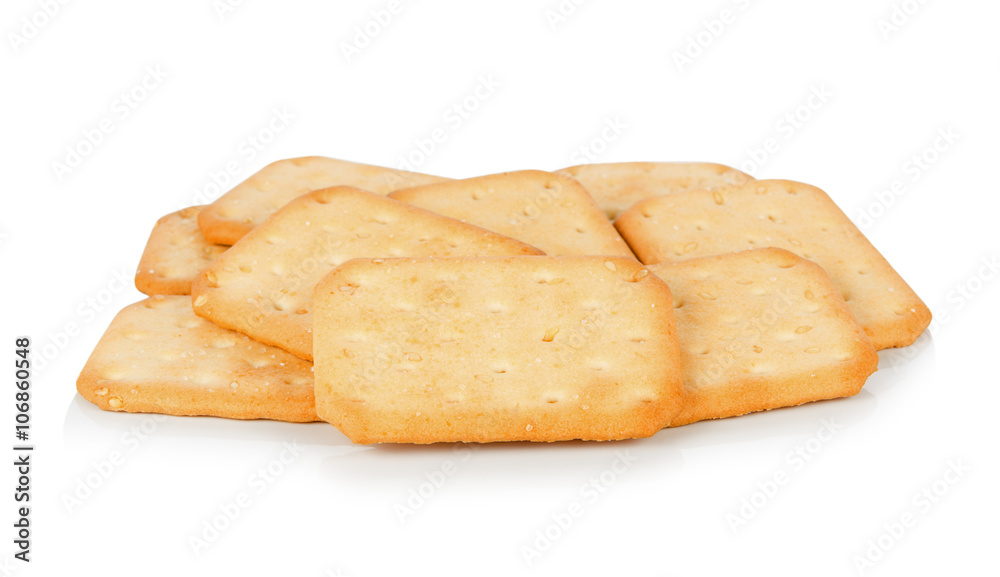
column 332, row 510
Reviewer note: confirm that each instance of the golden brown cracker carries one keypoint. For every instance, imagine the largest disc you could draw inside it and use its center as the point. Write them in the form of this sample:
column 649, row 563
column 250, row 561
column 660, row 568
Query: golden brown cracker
column 796, row 217
column 545, row 210
column 263, row 285
column 247, row 205
column 762, row 329
column 175, row 254
column 618, row 185
column 158, row 357
column 495, row 349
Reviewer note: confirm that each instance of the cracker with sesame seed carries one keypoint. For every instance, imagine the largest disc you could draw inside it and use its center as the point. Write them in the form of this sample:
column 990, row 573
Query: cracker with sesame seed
column 175, row 254
column 762, row 329
column 796, row 217
column 495, row 349
column 247, row 205
column 618, row 185
column 158, row 357
column 549, row 211
column 263, row 285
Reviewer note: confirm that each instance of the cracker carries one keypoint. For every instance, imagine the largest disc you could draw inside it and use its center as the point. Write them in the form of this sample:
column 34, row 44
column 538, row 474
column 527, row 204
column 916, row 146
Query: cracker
column 158, row 357
column 263, row 285
column 617, row 186
column 175, row 254
column 789, row 215
column 495, row 349
column 247, row 205
column 762, row 329
column 551, row 212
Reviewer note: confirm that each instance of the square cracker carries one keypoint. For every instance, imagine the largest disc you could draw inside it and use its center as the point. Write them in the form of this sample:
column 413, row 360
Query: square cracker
column 762, row 329
column 247, row 205
column 158, row 357
column 796, row 217
column 495, row 349
column 545, row 210
column 175, row 254
column 263, row 285
column 618, row 185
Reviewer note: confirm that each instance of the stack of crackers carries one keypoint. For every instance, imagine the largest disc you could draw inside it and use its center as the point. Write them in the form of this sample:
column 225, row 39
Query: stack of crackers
column 598, row 302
